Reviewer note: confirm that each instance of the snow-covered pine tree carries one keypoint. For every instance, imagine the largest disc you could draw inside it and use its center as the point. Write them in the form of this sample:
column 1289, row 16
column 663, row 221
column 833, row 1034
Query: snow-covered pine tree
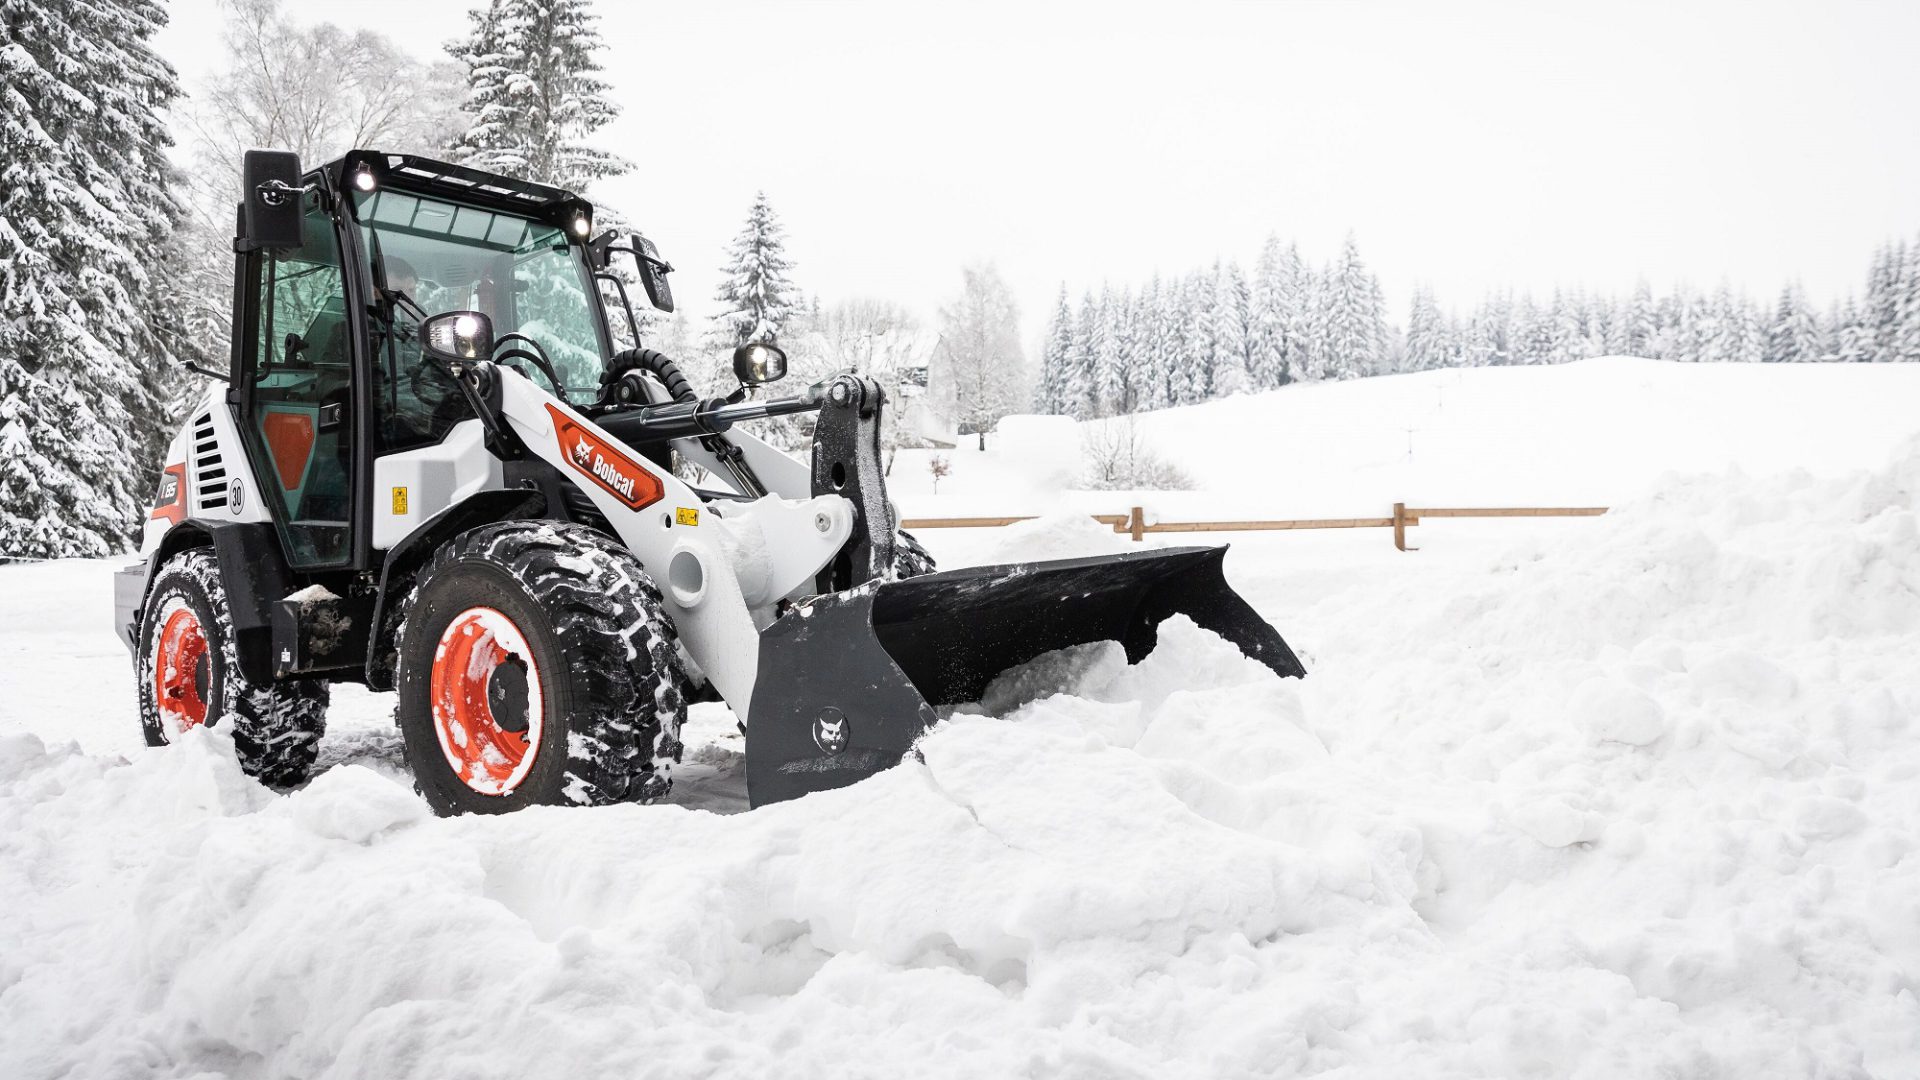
column 1793, row 337
column 1852, row 337
column 1192, row 380
column 1882, row 313
column 1906, row 337
column 1603, row 327
column 1158, row 340
column 1229, row 334
column 1355, row 324
column 1426, row 344
column 535, row 93
column 1078, row 386
column 1049, row 397
column 1128, row 368
column 1532, row 333
column 756, row 296
column 1642, row 321
column 1267, row 319
column 1295, row 300
column 1109, row 380
column 1565, row 342
column 85, row 213
column 1750, row 331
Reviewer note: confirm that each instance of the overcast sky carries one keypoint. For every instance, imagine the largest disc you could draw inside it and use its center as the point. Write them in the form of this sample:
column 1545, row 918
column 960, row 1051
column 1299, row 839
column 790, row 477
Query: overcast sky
column 1469, row 146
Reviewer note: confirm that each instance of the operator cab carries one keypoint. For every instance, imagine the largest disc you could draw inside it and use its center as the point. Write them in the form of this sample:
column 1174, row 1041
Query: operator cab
column 339, row 268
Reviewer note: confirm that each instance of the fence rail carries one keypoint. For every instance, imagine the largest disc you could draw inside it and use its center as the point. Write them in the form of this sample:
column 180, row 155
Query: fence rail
column 1134, row 522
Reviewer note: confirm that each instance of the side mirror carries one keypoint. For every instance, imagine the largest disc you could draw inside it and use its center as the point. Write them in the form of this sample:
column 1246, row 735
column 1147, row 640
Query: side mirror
column 653, row 273
column 758, row 363
column 270, row 213
column 458, row 337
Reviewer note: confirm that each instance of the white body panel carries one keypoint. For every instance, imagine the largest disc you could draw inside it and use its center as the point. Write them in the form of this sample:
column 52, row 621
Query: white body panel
column 219, row 485
column 412, row 486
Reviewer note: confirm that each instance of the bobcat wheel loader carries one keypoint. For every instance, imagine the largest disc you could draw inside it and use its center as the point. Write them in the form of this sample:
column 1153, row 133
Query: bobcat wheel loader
column 429, row 471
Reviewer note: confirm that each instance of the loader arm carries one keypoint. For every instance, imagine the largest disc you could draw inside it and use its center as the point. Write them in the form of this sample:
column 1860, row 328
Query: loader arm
column 722, row 570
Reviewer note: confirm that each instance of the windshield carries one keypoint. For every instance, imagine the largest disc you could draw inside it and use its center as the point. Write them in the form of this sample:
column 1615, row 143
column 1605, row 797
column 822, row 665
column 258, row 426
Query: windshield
column 521, row 273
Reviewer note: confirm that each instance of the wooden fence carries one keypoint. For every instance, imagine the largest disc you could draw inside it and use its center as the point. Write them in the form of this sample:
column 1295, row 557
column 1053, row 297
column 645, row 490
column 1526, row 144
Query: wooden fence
column 1134, row 522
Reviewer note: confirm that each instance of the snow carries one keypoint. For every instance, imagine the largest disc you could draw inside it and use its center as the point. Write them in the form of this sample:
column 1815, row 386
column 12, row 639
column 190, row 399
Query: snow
column 1628, row 796
column 1584, row 434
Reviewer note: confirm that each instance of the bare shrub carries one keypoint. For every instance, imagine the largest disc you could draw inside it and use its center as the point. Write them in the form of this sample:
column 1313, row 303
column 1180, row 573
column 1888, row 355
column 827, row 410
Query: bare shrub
column 1118, row 458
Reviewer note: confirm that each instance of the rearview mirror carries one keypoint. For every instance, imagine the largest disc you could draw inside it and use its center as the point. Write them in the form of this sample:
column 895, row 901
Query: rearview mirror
column 653, row 273
column 270, row 213
column 757, row 363
column 458, row 337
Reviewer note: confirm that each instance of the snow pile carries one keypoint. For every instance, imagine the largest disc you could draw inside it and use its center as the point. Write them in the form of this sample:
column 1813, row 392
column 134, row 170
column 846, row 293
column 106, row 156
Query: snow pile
column 1642, row 803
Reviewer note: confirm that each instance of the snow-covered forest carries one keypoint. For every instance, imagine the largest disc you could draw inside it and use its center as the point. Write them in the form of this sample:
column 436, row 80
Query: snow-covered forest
column 1218, row 331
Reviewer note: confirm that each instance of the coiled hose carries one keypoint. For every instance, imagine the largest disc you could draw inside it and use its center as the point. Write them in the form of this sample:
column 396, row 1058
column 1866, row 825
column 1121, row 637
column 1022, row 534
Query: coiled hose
column 657, row 364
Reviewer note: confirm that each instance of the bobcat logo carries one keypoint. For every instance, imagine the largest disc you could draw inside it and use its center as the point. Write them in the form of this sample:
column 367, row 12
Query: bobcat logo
column 830, row 730
column 632, row 482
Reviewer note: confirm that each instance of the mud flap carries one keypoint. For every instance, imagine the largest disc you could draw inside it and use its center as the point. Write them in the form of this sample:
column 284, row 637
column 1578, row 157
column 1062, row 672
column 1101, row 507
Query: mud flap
column 848, row 681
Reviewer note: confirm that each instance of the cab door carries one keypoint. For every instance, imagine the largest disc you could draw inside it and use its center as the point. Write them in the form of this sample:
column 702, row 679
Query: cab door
column 295, row 391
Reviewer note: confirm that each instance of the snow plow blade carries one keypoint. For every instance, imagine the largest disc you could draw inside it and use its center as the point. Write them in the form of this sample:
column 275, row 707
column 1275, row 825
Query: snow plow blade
column 848, row 681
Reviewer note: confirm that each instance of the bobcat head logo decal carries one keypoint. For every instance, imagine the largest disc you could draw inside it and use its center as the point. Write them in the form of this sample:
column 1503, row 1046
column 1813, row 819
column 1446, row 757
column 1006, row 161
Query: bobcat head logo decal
column 605, row 463
column 830, row 730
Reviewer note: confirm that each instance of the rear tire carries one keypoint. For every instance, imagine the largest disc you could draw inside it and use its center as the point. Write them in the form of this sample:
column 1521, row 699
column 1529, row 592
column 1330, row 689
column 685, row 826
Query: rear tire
column 190, row 675
column 537, row 667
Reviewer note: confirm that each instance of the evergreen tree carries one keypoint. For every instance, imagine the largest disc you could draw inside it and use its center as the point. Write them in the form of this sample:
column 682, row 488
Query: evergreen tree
column 1642, row 322
column 1426, row 334
column 1050, row 397
column 1267, row 320
column 1295, row 299
column 1077, row 399
column 1124, row 389
column 1883, row 302
column 756, row 297
column 1792, row 337
column 1565, row 341
column 1109, row 381
column 1193, row 357
column 535, row 93
column 1355, row 324
column 1229, row 334
column 85, row 216
column 1852, row 338
column 1159, row 337
column 1906, row 337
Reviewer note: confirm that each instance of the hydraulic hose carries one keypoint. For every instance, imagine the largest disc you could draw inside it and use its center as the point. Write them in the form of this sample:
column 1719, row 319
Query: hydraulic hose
column 657, row 364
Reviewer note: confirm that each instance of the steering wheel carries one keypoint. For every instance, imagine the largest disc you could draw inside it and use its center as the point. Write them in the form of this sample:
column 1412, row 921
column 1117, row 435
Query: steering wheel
column 509, row 347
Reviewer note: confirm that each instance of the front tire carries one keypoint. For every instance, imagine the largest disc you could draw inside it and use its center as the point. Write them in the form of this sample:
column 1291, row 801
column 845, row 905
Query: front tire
column 190, row 676
column 536, row 667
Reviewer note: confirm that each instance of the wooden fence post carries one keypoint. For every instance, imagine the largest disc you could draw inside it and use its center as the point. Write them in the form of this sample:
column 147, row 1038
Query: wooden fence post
column 1400, row 526
column 1137, row 524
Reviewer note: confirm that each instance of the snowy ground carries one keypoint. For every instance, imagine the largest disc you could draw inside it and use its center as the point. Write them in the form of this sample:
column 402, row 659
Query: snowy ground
column 1632, row 796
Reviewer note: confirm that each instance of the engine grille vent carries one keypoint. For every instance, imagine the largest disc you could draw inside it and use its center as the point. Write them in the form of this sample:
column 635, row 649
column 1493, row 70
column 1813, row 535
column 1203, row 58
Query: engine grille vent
column 209, row 472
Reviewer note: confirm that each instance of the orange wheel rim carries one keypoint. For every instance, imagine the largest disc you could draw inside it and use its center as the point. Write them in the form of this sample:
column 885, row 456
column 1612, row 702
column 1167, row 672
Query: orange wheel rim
column 181, row 671
column 487, row 703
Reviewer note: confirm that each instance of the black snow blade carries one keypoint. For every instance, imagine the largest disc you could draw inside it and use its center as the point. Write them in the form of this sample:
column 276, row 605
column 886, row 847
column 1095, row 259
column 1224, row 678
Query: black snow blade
column 847, row 682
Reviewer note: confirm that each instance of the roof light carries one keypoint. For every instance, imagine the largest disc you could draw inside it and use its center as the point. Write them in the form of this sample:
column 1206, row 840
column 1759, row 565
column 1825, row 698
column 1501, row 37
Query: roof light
column 363, row 178
column 582, row 225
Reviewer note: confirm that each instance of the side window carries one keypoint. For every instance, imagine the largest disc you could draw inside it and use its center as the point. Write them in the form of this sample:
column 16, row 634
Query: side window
column 298, row 394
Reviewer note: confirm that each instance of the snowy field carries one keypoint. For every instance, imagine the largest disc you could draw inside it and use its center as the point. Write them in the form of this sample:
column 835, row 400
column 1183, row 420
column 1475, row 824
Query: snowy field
column 1628, row 796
